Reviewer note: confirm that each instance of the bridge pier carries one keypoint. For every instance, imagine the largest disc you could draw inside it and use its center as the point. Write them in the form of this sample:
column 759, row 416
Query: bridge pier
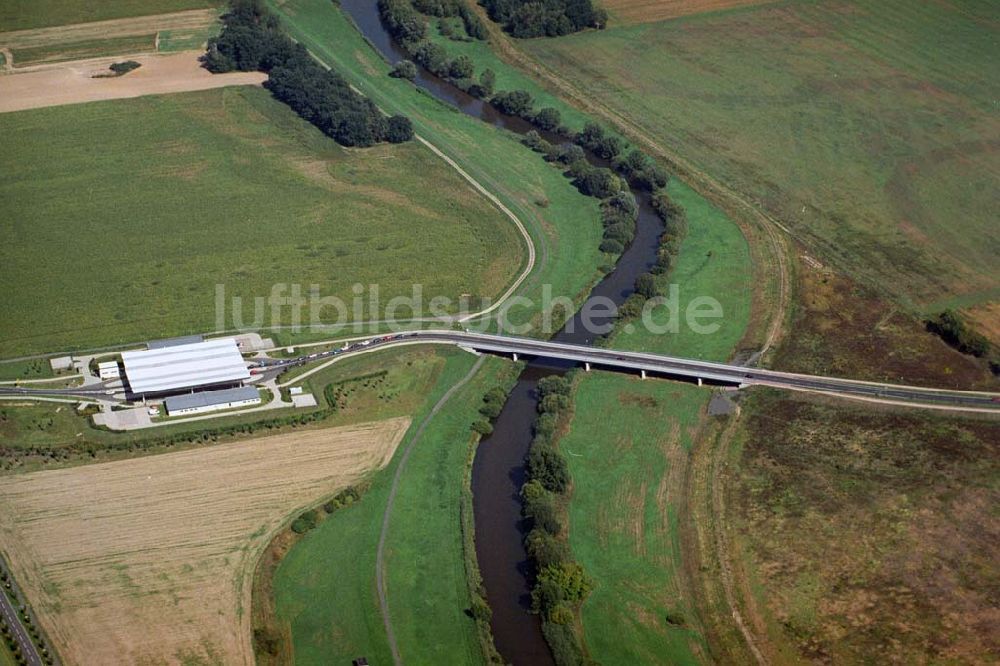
column 586, row 366
column 699, row 381
column 642, row 373
column 515, row 357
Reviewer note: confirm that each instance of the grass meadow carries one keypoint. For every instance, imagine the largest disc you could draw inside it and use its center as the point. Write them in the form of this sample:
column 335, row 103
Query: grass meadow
column 121, row 217
column 713, row 262
column 867, row 127
column 564, row 224
column 626, row 447
column 324, row 588
column 27, row 14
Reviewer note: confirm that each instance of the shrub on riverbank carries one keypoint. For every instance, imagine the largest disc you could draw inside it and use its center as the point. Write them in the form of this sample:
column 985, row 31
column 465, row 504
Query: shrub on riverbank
column 561, row 585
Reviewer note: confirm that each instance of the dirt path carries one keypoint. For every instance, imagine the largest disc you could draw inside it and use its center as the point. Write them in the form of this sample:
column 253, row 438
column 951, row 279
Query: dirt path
column 79, row 32
column 73, row 82
column 383, row 601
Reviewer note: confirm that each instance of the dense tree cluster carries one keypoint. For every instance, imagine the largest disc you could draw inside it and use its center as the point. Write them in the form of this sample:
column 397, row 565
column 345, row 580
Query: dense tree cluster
column 251, row 39
column 560, row 583
column 474, row 27
column 545, row 18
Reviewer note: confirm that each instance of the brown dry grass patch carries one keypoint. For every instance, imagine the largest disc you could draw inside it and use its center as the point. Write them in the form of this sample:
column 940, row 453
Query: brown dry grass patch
column 871, row 531
column 150, row 560
column 843, row 329
column 986, row 319
column 648, row 11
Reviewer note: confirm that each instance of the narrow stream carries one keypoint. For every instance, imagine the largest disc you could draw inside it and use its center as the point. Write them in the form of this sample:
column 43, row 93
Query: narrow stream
column 499, row 467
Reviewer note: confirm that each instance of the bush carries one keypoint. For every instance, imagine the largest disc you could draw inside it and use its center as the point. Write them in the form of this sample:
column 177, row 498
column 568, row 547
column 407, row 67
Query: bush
column 950, row 327
column 433, row 58
column 514, row 102
column 399, row 129
column 483, row 427
column 563, row 643
column 461, row 67
column 544, row 549
column 404, row 69
column 548, row 467
column 554, row 384
column 645, row 286
column 547, row 118
column 599, row 182
column 305, row 522
column 540, row 507
column 402, row 21
column 486, row 85
column 123, row 68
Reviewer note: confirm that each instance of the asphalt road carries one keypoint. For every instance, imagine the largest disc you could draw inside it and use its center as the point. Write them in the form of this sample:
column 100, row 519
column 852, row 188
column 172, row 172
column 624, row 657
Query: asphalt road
column 656, row 364
column 23, row 639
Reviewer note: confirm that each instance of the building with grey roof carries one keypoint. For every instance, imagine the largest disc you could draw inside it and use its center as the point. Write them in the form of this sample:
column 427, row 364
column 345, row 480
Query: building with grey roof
column 211, row 401
column 160, row 371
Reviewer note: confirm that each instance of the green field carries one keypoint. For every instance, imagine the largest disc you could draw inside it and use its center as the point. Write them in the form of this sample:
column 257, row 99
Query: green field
column 92, row 48
column 713, row 262
column 325, row 586
column 626, row 441
column 121, row 218
column 25, row 14
column 867, row 127
column 564, row 224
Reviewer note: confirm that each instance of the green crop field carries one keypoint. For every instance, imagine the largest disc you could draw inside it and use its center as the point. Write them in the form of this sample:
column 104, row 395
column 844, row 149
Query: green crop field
column 626, row 439
column 564, row 224
column 324, row 588
column 121, row 218
column 713, row 263
column 26, row 14
column 868, row 127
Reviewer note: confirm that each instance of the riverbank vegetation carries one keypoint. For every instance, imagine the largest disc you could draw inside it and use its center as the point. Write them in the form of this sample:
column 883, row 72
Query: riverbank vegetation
column 560, row 584
column 629, row 166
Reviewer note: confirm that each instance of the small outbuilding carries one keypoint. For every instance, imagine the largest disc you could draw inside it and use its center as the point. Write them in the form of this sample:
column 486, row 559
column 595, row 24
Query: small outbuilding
column 212, row 401
column 60, row 363
column 108, row 370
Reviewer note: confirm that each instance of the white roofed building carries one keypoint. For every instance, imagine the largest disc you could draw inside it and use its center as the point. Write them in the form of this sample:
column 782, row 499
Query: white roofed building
column 182, row 368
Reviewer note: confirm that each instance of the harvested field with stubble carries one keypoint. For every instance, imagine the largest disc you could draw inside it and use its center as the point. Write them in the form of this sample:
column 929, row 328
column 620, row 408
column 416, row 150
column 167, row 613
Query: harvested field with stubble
column 150, row 560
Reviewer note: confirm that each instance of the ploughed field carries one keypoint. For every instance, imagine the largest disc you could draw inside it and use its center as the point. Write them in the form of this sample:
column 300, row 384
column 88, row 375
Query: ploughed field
column 151, row 559
column 120, row 219
column 867, row 128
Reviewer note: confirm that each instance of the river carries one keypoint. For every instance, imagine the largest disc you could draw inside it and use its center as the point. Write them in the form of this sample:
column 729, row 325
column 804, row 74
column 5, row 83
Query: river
column 499, row 468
